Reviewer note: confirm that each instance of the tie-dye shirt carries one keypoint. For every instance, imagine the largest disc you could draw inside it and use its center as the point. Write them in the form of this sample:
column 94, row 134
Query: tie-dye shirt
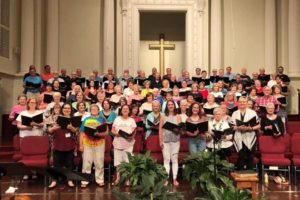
column 91, row 122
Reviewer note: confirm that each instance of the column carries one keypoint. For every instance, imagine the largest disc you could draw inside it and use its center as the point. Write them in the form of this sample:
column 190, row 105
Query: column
column 294, row 38
column 270, row 36
column 38, row 33
column 52, row 34
column 215, row 34
column 27, row 35
column 109, row 35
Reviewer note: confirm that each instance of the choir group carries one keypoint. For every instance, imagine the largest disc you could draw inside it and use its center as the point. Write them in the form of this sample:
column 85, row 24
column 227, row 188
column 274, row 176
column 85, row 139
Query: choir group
column 216, row 113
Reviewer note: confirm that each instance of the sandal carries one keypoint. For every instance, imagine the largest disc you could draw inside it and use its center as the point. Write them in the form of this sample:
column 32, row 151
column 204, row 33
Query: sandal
column 52, row 185
column 277, row 180
column 283, row 180
column 175, row 183
column 71, row 184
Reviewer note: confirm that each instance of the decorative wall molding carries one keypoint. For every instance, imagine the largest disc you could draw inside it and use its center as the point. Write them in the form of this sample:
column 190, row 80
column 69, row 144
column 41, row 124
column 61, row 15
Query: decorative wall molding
column 194, row 28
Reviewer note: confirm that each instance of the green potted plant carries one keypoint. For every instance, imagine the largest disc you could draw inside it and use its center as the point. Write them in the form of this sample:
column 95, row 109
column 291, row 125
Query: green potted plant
column 199, row 171
column 146, row 178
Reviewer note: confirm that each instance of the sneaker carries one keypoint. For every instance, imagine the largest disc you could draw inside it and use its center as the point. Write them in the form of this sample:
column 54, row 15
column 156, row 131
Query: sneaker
column 25, row 177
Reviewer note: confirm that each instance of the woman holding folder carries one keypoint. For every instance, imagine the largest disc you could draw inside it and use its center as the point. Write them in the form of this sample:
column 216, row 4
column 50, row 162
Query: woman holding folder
column 123, row 129
column 218, row 129
column 92, row 143
column 63, row 144
column 272, row 124
column 169, row 138
column 152, row 120
column 15, row 111
column 245, row 136
column 32, row 128
column 197, row 137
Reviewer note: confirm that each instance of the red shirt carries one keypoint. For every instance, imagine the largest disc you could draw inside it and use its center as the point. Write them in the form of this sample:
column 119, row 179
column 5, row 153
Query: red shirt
column 204, row 93
column 46, row 76
column 63, row 140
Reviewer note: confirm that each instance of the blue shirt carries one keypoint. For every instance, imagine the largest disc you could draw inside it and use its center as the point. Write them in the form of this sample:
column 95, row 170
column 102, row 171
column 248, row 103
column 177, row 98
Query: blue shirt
column 34, row 80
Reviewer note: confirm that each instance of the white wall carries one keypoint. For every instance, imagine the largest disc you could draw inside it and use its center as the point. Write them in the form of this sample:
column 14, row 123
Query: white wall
column 11, row 65
column 80, row 35
column 243, row 38
column 173, row 58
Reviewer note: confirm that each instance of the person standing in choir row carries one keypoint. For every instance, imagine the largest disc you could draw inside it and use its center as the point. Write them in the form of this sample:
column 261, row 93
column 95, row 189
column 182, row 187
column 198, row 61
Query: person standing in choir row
column 15, row 111
column 63, row 144
column 245, row 136
column 93, row 148
column 170, row 140
column 197, row 140
column 123, row 146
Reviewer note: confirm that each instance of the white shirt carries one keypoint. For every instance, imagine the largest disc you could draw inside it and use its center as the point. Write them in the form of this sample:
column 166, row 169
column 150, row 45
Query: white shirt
column 219, row 126
column 128, row 126
column 35, row 131
column 248, row 138
column 128, row 92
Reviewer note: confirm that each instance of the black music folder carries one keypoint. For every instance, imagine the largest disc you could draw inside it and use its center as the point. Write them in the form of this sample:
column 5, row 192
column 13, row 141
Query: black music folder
column 146, row 112
column 201, row 126
column 32, row 85
column 63, row 122
column 170, row 126
column 252, row 122
column 232, row 109
column 209, row 111
column 135, row 101
column 91, row 131
column 27, row 120
column 125, row 135
column 218, row 134
column 48, row 98
column 282, row 100
column 284, row 89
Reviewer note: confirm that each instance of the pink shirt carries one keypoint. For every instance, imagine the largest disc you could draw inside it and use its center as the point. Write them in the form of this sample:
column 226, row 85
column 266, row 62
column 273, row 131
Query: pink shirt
column 128, row 126
column 15, row 110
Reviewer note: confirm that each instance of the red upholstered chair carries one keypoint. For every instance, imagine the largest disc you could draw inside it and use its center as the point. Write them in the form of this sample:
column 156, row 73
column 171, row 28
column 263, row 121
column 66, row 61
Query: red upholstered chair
column 16, row 145
column 293, row 127
column 295, row 149
column 34, row 150
column 138, row 145
column 152, row 145
column 184, row 149
column 273, row 154
column 108, row 155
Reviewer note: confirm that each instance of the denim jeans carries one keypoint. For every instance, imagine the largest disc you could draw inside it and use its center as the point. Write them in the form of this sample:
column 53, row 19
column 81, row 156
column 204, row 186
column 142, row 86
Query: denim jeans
column 196, row 145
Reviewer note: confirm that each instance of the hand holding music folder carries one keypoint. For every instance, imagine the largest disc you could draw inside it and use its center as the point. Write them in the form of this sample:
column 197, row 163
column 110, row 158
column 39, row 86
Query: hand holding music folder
column 173, row 127
column 217, row 135
column 93, row 132
column 252, row 122
column 27, row 120
column 63, row 122
column 282, row 100
column 202, row 127
column 125, row 134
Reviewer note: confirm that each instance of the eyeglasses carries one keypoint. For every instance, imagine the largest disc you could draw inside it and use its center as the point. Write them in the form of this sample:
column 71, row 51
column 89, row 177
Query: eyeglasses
column 32, row 102
column 67, row 108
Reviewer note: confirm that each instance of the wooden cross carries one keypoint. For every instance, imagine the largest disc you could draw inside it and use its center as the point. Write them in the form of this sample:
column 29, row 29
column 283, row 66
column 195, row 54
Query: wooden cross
column 162, row 47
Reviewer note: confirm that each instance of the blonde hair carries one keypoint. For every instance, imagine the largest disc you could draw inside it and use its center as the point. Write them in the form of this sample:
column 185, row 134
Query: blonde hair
column 36, row 105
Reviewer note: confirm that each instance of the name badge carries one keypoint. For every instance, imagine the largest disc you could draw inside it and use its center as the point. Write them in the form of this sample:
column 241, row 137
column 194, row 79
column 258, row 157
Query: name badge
column 67, row 135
